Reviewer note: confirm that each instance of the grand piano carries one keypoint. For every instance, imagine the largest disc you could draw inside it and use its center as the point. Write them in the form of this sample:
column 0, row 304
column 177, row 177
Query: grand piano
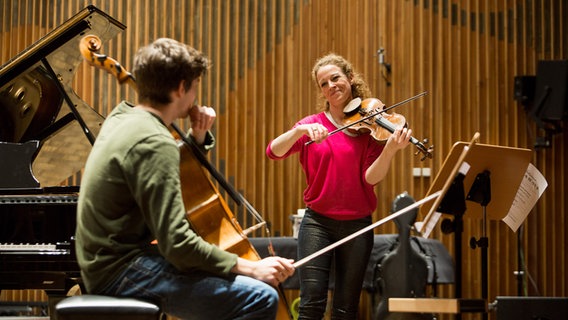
column 46, row 134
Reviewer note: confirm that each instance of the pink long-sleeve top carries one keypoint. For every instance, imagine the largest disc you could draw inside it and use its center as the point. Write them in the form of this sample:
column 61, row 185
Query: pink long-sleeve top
column 335, row 171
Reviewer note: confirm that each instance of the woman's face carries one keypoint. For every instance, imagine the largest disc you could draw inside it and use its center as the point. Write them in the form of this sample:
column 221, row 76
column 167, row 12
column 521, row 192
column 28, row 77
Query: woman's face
column 335, row 85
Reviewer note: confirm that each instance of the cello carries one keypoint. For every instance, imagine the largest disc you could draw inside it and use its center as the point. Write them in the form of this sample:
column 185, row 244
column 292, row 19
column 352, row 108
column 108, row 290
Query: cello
column 206, row 210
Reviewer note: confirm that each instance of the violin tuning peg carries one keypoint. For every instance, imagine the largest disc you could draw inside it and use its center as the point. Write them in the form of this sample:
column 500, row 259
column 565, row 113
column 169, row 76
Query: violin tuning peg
column 424, row 155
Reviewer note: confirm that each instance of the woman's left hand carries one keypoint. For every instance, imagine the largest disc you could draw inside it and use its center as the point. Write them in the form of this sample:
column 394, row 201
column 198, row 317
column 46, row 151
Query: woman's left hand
column 399, row 139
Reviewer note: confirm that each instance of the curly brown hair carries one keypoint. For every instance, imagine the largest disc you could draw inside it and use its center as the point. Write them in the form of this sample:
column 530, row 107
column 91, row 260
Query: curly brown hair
column 359, row 87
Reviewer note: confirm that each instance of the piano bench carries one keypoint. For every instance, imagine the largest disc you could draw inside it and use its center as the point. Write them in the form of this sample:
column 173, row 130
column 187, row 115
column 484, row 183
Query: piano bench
column 91, row 307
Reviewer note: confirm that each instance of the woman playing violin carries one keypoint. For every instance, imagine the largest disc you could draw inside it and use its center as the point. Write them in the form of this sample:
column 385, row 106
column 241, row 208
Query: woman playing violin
column 131, row 195
column 341, row 172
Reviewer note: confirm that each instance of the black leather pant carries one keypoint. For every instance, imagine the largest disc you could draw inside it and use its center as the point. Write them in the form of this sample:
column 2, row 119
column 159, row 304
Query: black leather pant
column 343, row 267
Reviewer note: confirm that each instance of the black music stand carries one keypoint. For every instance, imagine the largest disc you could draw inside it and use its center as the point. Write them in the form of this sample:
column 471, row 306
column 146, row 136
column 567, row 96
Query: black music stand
column 506, row 166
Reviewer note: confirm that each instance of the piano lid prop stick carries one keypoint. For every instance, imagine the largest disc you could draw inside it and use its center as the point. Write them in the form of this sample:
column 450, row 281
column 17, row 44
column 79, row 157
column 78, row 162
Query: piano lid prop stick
column 370, row 227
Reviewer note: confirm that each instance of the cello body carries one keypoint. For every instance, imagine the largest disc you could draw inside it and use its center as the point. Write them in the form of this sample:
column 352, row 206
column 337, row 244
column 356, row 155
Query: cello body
column 207, row 211
column 403, row 272
column 211, row 218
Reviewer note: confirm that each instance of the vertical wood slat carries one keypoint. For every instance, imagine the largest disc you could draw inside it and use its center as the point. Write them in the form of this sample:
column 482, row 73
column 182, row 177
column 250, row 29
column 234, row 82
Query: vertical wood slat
column 464, row 53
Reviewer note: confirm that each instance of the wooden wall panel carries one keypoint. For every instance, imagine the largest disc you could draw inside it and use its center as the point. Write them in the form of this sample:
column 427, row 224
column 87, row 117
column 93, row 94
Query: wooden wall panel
column 464, row 54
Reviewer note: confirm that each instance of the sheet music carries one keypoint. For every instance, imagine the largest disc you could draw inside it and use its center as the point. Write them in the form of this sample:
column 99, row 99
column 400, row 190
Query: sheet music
column 530, row 190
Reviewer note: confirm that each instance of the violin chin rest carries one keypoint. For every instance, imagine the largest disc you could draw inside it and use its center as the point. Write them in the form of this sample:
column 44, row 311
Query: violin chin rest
column 352, row 105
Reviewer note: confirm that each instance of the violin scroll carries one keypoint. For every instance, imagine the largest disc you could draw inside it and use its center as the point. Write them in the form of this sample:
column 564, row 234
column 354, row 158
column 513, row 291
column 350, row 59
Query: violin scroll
column 426, row 152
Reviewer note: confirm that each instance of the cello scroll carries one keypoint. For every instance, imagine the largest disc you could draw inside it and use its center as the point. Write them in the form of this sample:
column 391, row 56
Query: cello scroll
column 89, row 46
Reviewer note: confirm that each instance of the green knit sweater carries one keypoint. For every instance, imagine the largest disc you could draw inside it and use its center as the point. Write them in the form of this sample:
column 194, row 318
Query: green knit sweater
column 130, row 195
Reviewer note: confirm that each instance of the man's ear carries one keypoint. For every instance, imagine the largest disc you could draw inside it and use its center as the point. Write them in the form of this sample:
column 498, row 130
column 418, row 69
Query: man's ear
column 181, row 89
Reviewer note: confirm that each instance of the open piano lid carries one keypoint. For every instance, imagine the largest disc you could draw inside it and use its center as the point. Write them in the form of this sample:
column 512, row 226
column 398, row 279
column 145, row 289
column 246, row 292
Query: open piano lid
column 39, row 107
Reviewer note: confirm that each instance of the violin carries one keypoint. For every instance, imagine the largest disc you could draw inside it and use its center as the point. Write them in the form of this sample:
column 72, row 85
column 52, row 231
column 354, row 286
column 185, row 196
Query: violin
column 357, row 109
column 369, row 115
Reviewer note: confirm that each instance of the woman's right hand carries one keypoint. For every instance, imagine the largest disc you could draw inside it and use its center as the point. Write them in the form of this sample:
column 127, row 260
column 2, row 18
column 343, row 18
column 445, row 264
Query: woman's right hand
column 316, row 131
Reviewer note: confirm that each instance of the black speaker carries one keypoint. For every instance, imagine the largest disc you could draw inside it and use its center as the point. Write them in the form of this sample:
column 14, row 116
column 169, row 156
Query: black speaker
column 532, row 308
column 524, row 89
column 551, row 91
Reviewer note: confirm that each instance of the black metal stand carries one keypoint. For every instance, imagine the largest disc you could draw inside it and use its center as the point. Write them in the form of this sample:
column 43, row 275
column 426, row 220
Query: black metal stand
column 520, row 273
column 480, row 192
column 507, row 165
column 454, row 203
